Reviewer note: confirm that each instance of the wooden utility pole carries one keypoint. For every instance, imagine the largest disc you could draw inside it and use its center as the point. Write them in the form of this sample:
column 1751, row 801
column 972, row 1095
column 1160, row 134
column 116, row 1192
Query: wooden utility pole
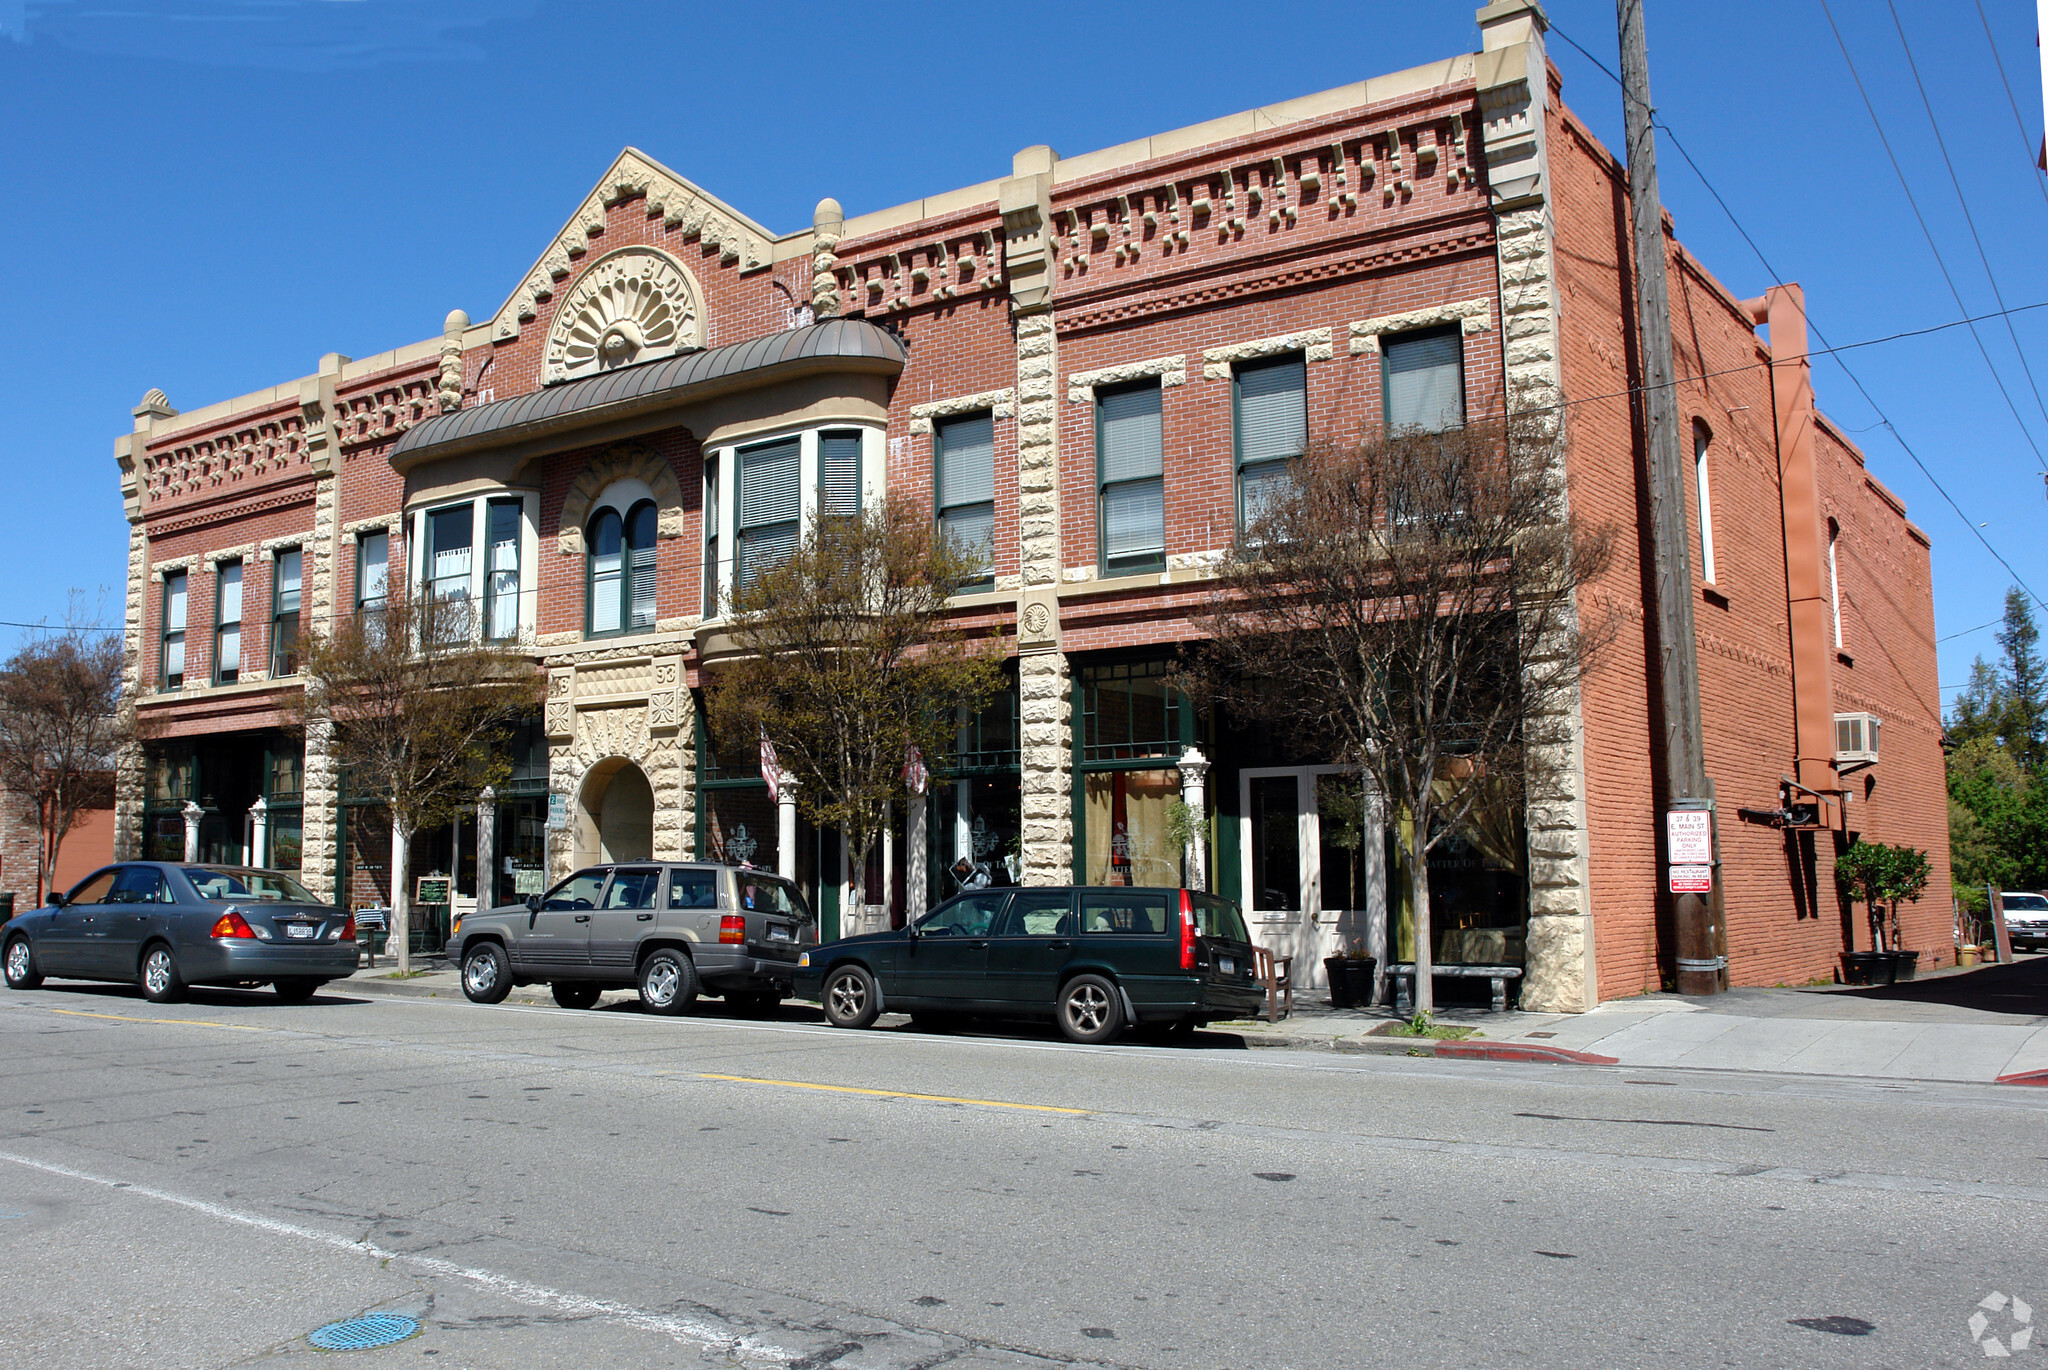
column 1685, row 766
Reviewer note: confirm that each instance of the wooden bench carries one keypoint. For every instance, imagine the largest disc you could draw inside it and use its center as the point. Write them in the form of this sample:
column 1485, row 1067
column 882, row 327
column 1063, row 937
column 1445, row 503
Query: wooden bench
column 1404, row 982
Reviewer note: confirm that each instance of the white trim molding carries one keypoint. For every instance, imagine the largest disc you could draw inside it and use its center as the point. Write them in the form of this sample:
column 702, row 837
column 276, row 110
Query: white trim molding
column 383, row 523
column 1001, row 402
column 270, row 547
column 1472, row 316
column 1217, row 361
column 1170, row 370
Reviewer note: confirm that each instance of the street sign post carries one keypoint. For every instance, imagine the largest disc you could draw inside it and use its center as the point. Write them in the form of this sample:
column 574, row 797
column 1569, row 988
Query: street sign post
column 1689, row 837
column 1692, row 879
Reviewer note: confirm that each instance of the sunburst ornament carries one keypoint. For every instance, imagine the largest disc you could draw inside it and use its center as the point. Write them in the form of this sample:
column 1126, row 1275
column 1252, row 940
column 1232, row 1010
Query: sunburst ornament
column 632, row 305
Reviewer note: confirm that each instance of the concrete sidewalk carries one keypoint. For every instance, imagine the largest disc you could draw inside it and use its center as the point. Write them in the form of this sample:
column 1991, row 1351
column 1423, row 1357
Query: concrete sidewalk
column 1978, row 1026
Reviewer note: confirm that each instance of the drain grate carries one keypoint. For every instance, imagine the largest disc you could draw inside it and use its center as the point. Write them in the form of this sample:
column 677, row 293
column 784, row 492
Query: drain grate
column 362, row 1334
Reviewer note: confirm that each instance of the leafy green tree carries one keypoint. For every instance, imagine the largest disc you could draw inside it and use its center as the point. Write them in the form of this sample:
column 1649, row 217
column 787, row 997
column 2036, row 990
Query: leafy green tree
column 2025, row 723
column 1881, row 875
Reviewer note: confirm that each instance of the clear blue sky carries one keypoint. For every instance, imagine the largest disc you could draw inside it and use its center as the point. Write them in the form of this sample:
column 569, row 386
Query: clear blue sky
column 206, row 195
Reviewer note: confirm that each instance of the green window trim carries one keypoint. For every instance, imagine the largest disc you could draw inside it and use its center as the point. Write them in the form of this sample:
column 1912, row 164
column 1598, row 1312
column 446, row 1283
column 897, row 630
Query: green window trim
column 963, row 484
column 1269, row 423
column 1427, row 350
column 632, row 586
column 227, row 575
column 178, row 583
column 1130, row 479
column 287, row 585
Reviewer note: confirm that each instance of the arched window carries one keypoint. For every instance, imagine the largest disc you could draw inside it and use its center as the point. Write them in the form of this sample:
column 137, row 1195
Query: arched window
column 621, row 569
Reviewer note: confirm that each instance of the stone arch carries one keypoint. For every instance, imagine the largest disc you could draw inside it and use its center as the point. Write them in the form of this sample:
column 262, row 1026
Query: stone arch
column 622, row 461
column 614, row 818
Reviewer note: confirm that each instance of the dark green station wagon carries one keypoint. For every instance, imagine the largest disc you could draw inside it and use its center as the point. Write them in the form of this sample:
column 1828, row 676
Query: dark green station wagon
column 1095, row 959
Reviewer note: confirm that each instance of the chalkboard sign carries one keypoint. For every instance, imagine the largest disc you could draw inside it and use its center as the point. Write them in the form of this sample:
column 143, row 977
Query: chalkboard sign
column 432, row 889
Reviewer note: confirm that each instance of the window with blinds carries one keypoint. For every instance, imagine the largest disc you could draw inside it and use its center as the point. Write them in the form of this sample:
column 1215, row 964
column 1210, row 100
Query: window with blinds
column 286, row 578
column 1272, row 428
column 964, row 471
column 640, row 527
column 1422, row 380
column 174, row 630
column 770, row 507
column 839, row 473
column 712, row 506
column 501, row 570
column 1130, row 467
column 227, row 633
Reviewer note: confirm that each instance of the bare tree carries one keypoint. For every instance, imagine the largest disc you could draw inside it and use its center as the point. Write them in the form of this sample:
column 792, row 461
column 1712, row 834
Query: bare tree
column 61, row 722
column 416, row 712
column 1408, row 605
column 847, row 660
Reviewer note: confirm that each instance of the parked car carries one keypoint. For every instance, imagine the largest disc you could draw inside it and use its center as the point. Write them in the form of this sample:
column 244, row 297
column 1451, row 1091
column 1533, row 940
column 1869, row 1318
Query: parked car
column 2026, row 921
column 167, row 925
column 1096, row 960
column 670, row 929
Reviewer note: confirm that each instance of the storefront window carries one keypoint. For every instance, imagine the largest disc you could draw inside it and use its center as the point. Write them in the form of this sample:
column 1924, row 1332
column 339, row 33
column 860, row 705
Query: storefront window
column 1128, row 842
column 287, row 842
column 1129, row 712
column 1477, row 891
column 171, row 777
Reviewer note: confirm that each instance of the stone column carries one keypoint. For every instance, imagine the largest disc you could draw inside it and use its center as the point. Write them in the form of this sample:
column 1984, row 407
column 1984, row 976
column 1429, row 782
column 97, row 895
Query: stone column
column 259, row 833
column 193, row 813
column 323, row 833
column 1194, row 781
column 486, row 847
column 785, row 826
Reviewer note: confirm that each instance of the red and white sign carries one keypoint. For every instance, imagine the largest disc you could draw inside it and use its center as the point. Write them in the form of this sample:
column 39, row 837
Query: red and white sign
column 1689, row 835
column 1692, row 879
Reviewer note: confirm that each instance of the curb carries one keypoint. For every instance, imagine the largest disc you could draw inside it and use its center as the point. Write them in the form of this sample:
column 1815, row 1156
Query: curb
column 402, row 989
column 2025, row 1077
column 1421, row 1046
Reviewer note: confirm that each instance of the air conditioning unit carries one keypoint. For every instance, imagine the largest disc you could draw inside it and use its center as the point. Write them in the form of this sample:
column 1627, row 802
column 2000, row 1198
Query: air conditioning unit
column 1856, row 739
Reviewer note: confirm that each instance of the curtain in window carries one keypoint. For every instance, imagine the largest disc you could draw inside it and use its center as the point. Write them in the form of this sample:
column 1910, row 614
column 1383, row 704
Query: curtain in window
column 1133, row 493
column 227, row 661
column 373, row 552
column 502, row 585
column 450, row 535
column 640, row 554
column 839, row 473
column 771, row 503
column 967, row 483
column 1425, row 381
column 1272, row 426
column 284, row 628
column 607, row 569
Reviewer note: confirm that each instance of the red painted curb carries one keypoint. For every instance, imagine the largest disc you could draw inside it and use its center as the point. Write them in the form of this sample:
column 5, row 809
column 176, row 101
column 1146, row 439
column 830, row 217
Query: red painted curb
column 2026, row 1077
column 1504, row 1051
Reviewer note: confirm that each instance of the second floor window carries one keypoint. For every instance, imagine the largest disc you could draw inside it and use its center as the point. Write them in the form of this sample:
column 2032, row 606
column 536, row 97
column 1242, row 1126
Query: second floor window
column 227, row 633
column 771, row 506
column 174, row 629
column 1130, row 469
column 451, row 536
column 286, row 580
column 621, row 552
column 1422, row 380
column 501, row 578
column 712, row 504
column 1272, row 428
column 965, row 475
column 373, row 563
column 839, row 473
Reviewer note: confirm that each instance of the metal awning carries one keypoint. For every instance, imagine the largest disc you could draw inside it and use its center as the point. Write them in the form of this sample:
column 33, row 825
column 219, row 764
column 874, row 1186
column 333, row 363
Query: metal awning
column 844, row 345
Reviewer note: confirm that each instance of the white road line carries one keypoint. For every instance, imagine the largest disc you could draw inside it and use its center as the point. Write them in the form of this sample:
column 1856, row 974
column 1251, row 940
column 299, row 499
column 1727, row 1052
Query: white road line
column 686, row 1330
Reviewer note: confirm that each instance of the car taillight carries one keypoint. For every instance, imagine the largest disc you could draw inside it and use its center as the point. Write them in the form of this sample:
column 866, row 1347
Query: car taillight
column 348, row 930
column 1187, row 931
column 233, row 925
column 732, row 928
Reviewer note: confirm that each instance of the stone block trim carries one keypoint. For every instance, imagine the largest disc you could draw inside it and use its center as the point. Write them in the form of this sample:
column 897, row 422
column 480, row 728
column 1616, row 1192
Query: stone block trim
column 1002, row 403
column 1045, row 700
column 1217, row 361
column 627, row 460
column 1038, row 462
column 1472, row 316
column 1172, row 370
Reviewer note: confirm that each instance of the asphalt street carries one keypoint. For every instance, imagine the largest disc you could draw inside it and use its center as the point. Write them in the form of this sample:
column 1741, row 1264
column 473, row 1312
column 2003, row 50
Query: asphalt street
column 204, row 1184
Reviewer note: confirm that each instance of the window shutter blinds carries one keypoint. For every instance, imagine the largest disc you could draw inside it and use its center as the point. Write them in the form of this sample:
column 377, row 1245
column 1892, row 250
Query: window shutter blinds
column 839, row 473
column 967, row 461
column 1425, row 381
column 642, row 545
column 607, row 556
column 1134, row 519
column 1132, row 435
column 769, row 488
column 1272, row 411
column 973, row 527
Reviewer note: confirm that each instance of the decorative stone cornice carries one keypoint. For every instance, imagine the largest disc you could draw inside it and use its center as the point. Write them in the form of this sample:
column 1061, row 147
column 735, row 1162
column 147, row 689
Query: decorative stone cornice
column 1471, row 316
column 679, row 204
column 1081, row 385
column 637, row 304
column 626, row 461
column 1217, row 361
column 1002, row 403
column 381, row 523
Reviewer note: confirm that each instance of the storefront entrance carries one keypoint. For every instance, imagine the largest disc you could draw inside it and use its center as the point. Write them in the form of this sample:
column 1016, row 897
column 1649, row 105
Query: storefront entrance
column 614, row 814
column 1312, row 873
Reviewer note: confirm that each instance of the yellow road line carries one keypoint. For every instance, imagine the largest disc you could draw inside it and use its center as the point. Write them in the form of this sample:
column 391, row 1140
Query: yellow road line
column 181, row 1022
column 894, row 1094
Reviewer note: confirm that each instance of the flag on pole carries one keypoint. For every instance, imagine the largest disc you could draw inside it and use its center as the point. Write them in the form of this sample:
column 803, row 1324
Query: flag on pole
column 771, row 767
column 915, row 776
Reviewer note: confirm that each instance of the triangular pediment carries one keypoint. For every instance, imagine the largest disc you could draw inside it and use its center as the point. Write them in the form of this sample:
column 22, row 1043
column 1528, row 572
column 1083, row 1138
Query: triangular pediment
column 679, row 203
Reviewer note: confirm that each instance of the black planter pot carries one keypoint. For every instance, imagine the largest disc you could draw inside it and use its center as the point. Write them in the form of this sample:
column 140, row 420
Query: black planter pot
column 1905, row 964
column 1352, row 980
column 1867, row 967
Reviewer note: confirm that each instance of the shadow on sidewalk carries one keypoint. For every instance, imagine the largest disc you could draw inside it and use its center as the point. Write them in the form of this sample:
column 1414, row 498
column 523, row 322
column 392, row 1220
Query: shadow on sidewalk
column 2020, row 989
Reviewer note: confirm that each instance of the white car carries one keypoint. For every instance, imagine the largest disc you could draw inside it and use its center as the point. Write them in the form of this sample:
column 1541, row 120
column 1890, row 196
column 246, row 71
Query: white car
column 2026, row 921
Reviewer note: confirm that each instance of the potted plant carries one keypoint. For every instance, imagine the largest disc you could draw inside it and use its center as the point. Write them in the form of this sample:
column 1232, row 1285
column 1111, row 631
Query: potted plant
column 1881, row 875
column 1353, row 977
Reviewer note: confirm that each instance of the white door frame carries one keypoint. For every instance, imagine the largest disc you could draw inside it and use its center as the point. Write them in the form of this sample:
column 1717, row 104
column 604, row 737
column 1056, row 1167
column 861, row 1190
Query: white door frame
column 1313, row 932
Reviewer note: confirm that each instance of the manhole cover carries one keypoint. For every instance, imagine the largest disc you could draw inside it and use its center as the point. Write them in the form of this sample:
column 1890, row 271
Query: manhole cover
column 361, row 1334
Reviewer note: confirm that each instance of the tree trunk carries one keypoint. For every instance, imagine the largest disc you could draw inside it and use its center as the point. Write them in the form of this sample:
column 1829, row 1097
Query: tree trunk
column 401, row 900
column 1418, row 894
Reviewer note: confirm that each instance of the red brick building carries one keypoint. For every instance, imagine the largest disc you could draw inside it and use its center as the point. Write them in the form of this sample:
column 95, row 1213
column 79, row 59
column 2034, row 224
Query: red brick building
column 1084, row 362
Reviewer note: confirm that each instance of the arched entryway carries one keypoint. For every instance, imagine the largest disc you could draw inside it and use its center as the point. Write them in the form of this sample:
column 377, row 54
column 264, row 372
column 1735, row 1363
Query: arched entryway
column 615, row 814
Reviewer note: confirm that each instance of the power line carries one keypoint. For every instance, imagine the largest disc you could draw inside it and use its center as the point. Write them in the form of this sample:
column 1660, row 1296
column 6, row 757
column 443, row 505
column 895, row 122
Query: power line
column 1968, row 218
column 2026, row 139
column 1883, row 418
column 1928, row 232
column 55, row 627
column 1967, row 631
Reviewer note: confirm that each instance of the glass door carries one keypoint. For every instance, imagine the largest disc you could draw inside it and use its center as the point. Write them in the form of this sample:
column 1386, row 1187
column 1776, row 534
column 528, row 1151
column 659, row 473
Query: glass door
column 1312, row 885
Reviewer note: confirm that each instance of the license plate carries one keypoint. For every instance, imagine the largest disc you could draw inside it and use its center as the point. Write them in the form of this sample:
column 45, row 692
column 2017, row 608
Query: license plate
column 781, row 935
column 1226, row 964
column 303, row 931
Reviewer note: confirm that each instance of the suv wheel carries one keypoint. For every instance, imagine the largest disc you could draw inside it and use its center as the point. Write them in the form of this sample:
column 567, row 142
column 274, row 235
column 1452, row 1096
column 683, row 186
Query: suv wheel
column 569, row 994
column 668, row 982
column 486, row 975
column 850, row 998
column 21, row 966
column 1090, row 1011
